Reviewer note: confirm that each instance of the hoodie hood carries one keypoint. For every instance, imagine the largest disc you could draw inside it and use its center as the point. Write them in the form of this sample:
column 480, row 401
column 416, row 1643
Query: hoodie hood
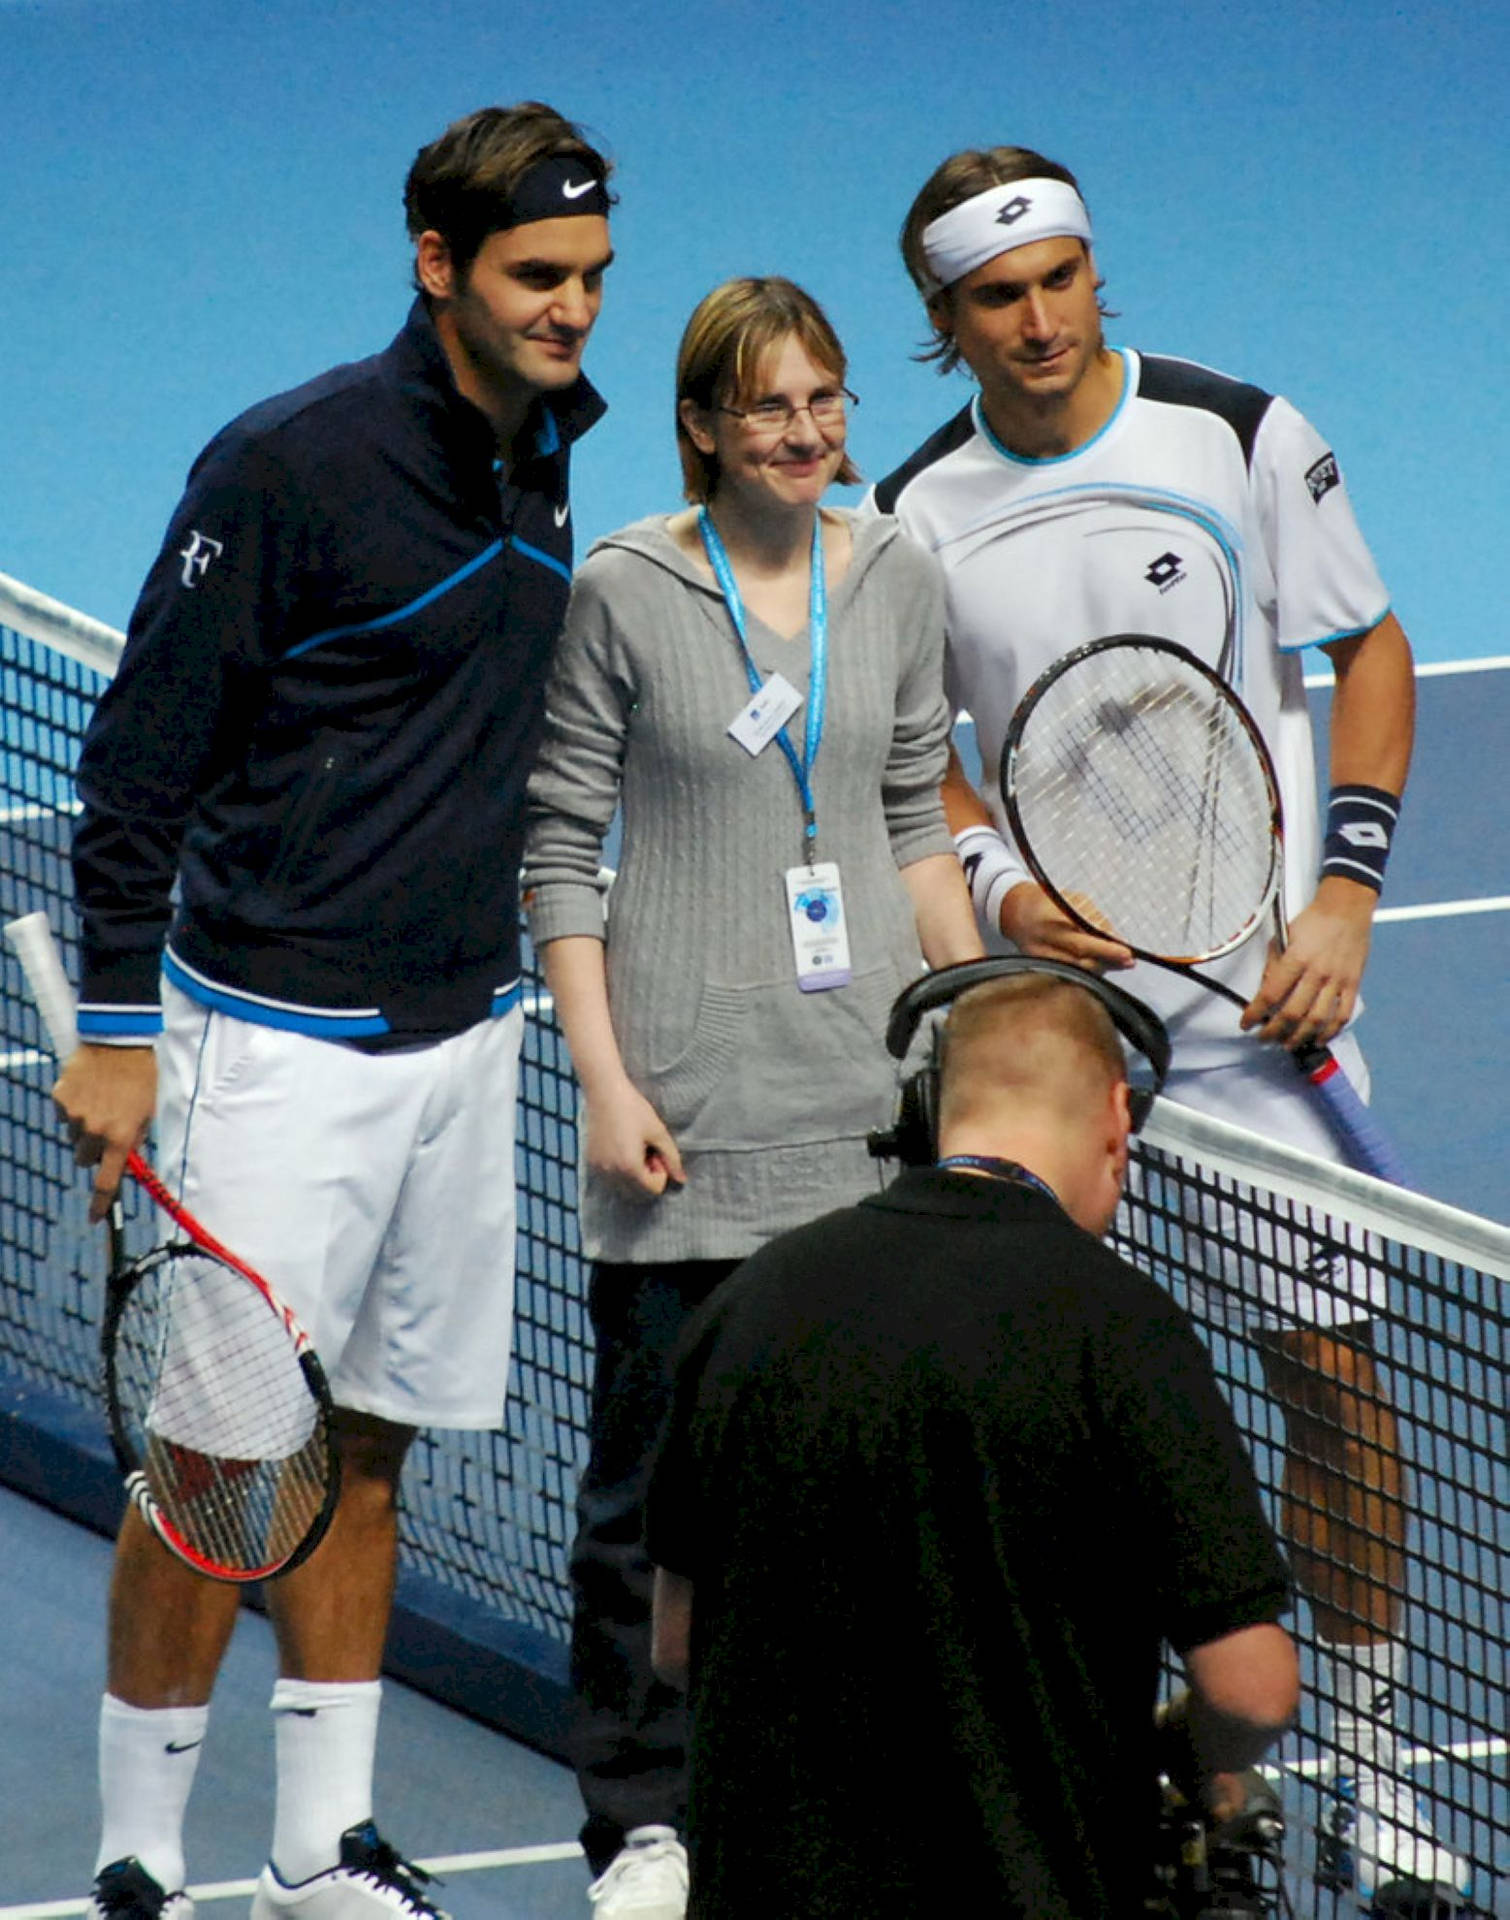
column 649, row 540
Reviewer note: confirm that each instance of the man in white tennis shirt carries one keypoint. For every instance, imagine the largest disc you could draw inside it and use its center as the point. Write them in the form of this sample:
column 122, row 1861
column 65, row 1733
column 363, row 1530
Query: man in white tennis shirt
column 1088, row 491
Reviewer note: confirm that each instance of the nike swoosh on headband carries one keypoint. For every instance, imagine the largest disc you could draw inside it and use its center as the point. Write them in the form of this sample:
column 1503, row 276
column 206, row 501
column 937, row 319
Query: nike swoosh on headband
column 575, row 192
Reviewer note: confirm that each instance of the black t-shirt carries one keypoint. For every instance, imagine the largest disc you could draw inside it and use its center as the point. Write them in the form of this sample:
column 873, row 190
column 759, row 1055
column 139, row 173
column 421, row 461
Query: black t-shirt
column 945, row 1475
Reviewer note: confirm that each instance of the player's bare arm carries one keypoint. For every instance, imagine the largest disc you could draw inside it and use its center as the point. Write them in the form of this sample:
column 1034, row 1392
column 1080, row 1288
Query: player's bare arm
column 624, row 1137
column 1309, row 992
column 107, row 1095
column 963, row 806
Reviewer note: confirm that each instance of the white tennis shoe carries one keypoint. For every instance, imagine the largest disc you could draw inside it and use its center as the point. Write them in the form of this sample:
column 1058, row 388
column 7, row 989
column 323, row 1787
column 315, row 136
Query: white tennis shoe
column 126, row 1891
column 1378, row 1838
column 372, row 1882
column 647, row 1879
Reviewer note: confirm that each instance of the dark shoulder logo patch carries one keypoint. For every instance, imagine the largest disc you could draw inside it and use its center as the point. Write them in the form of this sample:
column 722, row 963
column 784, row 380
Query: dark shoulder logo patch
column 1323, row 477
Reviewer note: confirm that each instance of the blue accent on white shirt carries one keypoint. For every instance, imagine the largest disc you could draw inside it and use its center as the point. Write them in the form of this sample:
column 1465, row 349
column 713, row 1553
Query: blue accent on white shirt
column 1129, row 388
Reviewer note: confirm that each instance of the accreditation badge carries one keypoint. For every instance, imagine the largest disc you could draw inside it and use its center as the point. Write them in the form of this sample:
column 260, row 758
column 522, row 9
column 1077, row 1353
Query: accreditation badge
column 763, row 716
column 820, row 933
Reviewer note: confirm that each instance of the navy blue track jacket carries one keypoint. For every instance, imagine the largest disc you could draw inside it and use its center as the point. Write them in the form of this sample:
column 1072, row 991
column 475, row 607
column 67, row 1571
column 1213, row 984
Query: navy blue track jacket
column 326, row 714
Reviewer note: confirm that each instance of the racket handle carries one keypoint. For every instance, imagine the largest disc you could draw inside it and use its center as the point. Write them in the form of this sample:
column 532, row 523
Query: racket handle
column 35, row 948
column 1370, row 1151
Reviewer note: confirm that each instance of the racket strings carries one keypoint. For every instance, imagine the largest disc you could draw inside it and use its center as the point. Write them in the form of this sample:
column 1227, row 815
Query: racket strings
column 1139, row 791
column 214, row 1405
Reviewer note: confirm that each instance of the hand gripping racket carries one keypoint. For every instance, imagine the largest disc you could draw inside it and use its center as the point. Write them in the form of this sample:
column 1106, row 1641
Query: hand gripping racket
column 220, row 1416
column 1143, row 800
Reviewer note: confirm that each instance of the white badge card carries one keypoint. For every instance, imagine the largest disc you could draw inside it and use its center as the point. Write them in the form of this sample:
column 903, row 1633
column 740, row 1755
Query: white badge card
column 820, row 934
column 764, row 714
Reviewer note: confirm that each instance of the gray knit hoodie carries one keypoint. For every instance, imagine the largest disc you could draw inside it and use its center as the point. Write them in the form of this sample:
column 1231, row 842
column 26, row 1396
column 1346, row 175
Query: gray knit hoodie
column 768, row 1090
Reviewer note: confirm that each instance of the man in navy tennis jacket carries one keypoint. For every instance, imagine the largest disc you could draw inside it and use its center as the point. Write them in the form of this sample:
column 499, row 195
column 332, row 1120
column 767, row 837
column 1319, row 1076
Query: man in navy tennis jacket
column 319, row 736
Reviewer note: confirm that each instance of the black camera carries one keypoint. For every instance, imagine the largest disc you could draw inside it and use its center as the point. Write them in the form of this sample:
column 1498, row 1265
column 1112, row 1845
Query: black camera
column 1233, row 1870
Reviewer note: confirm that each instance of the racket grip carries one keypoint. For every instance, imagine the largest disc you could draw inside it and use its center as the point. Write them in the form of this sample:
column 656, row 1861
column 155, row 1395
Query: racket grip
column 1369, row 1149
column 31, row 938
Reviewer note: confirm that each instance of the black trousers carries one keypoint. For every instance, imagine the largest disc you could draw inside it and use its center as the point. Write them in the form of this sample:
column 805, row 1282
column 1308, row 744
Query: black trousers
column 630, row 1731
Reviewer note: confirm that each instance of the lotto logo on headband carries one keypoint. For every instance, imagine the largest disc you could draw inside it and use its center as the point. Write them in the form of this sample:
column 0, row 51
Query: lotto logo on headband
column 968, row 235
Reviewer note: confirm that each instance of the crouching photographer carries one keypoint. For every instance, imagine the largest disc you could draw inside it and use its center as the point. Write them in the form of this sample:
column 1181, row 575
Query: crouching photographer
column 943, row 1478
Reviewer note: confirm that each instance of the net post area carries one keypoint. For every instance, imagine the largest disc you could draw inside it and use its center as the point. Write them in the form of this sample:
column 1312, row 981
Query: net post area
column 484, row 1605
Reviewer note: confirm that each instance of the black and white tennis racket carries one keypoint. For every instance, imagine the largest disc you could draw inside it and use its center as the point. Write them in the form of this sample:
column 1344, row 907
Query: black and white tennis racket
column 1143, row 800
column 220, row 1416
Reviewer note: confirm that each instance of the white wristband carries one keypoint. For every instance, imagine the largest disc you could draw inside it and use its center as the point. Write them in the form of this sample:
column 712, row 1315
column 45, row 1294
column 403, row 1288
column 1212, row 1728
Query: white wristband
column 990, row 871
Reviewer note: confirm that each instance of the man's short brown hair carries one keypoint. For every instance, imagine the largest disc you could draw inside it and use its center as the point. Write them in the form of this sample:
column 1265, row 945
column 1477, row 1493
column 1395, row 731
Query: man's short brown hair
column 950, row 185
column 1044, row 1039
column 461, row 184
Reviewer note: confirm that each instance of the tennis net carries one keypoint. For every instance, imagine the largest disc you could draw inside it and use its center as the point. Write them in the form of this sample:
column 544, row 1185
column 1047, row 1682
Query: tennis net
column 484, row 1604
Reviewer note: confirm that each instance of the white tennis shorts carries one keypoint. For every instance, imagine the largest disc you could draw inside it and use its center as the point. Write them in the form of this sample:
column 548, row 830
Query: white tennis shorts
column 1264, row 1272
column 374, row 1191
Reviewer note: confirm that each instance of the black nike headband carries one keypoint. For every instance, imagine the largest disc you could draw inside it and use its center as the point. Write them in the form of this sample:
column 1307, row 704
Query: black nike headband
column 554, row 189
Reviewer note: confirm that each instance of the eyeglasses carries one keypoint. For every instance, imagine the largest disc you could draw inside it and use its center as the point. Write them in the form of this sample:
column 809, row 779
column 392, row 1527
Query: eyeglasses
column 772, row 417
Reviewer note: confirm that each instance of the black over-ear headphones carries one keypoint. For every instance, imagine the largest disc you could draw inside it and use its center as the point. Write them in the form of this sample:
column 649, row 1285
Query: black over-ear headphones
column 913, row 1137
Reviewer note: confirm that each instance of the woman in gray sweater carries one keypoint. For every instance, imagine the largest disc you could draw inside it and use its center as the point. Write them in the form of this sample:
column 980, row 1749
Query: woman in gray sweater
column 725, row 1004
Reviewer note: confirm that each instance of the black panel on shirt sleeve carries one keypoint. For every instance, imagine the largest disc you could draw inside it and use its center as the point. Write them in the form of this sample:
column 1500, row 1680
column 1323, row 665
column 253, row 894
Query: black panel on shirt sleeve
column 954, row 433
column 1181, row 383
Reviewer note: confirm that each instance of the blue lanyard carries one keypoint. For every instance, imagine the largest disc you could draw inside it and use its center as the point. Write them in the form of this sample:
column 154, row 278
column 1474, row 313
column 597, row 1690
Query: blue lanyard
column 817, row 683
column 1008, row 1170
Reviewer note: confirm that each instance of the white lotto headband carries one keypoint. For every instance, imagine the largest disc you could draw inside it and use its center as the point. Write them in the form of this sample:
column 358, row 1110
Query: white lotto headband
column 969, row 235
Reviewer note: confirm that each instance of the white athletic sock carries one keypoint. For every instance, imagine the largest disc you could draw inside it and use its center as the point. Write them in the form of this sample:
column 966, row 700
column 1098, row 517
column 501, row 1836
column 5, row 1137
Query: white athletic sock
column 326, row 1737
column 1364, row 1680
column 148, row 1759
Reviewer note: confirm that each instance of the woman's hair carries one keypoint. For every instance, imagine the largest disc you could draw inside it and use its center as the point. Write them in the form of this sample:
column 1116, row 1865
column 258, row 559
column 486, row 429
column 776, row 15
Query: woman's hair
column 732, row 333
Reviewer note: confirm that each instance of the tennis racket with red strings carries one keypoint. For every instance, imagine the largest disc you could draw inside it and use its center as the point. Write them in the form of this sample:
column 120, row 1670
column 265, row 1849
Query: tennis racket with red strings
column 220, row 1416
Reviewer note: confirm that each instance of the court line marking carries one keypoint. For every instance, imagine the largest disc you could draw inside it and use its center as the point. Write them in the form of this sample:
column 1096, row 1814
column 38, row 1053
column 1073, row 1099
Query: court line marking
column 25, row 1057
column 1491, row 663
column 1445, row 909
column 1314, row 1768
column 1428, row 669
column 1322, row 1764
column 243, row 1889
column 37, row 810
